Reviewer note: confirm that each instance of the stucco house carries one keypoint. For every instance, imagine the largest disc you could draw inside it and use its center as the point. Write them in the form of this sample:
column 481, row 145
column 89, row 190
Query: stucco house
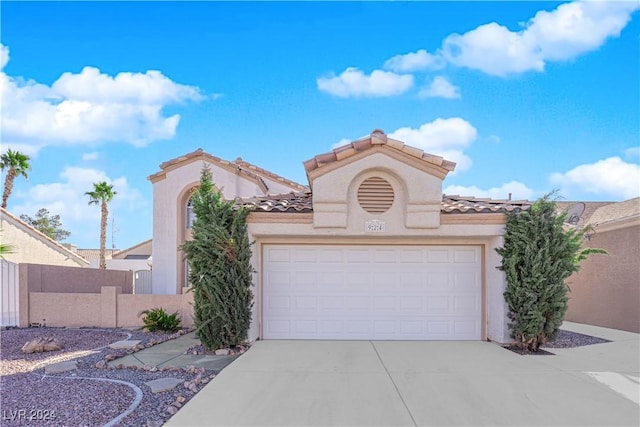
column 33, row 247
column 371, row 249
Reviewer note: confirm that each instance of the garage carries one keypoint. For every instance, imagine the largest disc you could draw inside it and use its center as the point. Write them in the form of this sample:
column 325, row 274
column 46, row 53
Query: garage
column 372, row 292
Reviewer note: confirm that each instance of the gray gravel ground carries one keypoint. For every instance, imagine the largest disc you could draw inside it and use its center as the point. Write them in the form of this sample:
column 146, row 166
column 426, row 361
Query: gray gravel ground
column 82, row 397
column 567, row 339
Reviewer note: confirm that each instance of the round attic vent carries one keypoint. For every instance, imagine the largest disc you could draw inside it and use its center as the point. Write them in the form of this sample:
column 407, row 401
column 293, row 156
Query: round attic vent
column 375, row 195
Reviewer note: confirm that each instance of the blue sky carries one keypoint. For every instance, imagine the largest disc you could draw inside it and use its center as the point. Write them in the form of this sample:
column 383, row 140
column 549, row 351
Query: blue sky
column 526, row 97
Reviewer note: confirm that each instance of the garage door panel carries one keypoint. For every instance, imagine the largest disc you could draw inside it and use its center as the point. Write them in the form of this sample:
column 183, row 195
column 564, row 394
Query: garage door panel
column 465, row 304
column 279, row 255
column 385, row 256
column 330, row 256
column 330, row 304
column 438, row 304
column 412, row 305
column 360, row 292
column 438, row 255
column 411, row 256
column 305, row 255
column 465, row 255
column 306, row 304
column 358, row 303
column 357, row 256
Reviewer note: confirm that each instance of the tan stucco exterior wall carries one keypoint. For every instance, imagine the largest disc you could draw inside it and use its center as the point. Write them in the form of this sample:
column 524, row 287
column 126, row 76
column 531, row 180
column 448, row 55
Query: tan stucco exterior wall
column 51, row 278
column 606, row 291
column 170, row 196
column 29, row 247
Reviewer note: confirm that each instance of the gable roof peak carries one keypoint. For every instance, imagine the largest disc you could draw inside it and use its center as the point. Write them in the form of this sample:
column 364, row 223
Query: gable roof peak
column 376, row 140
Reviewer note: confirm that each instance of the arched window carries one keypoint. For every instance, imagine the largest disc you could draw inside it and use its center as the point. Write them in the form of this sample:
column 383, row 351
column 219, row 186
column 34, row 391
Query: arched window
column 191, row 215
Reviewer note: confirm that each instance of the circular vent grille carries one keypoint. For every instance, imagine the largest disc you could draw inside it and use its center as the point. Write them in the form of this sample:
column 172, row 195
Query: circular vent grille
column 375, row 195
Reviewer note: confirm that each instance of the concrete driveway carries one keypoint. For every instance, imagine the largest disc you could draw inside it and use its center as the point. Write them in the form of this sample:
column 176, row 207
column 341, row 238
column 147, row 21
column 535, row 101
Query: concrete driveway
column 382, row 383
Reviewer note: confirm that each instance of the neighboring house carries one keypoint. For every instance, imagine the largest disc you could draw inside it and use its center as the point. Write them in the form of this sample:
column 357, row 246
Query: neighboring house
column 606, row 290
column 172, row 214
column 135, row 258
column 141, row 251
column 33, row 247
column 370, row 250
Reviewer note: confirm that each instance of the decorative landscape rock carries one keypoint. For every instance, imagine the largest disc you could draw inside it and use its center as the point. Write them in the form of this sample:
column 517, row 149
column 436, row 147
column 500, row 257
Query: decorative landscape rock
column 59, row 367
column 41, row 345
column 124, row 345
column 163, row 384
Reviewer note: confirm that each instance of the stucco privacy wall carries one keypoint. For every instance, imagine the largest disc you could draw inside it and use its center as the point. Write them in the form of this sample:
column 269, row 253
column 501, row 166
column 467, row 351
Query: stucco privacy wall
column 171, row 189
column 31, row 246
column 52, row 278
column 108, row 308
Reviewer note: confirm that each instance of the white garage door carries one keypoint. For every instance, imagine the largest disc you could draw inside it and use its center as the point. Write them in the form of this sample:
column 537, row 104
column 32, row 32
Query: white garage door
column 372, row 292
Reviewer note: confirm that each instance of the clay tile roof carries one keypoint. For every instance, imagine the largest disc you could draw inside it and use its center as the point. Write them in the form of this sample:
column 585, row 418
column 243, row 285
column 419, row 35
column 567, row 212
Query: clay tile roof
column 254, row 172
column 465, row 204
column 377, row 137
column 616, row 211
column 302, row 202
column 589, row 209
column 90, row 254
column 265, row 173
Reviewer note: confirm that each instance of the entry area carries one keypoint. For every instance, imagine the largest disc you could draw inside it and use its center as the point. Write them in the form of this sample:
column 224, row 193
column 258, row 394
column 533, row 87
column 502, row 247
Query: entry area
column 372, row 292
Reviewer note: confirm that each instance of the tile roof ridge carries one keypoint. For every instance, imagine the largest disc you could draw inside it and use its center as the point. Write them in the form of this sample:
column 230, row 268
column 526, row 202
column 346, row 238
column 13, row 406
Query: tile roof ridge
column 257, row 169
column 377, row 138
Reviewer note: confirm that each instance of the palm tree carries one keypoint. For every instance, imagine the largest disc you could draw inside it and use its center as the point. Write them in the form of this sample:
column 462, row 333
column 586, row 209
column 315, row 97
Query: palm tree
column 102, row 193
column 17, row 164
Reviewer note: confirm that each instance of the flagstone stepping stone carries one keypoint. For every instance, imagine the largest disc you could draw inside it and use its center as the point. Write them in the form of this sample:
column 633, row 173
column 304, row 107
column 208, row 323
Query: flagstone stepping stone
column 124, row 345
column 163, row 384
column 56, row 368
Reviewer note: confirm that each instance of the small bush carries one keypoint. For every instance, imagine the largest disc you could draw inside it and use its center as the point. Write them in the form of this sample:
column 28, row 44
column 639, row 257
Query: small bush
column 157, row 319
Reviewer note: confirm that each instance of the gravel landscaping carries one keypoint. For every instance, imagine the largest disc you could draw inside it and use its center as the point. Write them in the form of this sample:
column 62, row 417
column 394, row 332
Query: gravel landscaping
column 92, row 394
column 564, row 339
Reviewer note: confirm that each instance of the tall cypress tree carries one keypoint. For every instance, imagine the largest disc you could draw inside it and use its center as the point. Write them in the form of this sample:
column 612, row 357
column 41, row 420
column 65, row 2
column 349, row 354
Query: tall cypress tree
column 219, row 257
column 538, row 255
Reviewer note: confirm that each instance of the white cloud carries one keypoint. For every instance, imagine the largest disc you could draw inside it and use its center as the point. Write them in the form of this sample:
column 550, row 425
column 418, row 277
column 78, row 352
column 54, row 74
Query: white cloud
column 90, row 107
column 415, row 61
column 4, row 56
column 90, row 156
column 611, row 177
column 518, row 191
column 440, row 87
column 442, row 137
column 562, row 34
column 150, row 88
column 66, row 198
column 354, row 83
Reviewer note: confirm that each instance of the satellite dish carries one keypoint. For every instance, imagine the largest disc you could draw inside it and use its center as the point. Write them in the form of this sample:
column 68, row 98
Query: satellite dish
column 574, row 214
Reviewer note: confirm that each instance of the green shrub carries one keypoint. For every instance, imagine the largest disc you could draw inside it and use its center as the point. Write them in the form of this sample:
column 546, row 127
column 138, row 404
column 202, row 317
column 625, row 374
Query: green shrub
column 538, row 255
column 219, row 257
column 157, row 319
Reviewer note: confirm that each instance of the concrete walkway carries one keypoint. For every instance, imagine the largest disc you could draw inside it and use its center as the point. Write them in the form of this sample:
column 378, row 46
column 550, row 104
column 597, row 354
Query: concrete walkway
column 384, row 383
column 170, row 354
